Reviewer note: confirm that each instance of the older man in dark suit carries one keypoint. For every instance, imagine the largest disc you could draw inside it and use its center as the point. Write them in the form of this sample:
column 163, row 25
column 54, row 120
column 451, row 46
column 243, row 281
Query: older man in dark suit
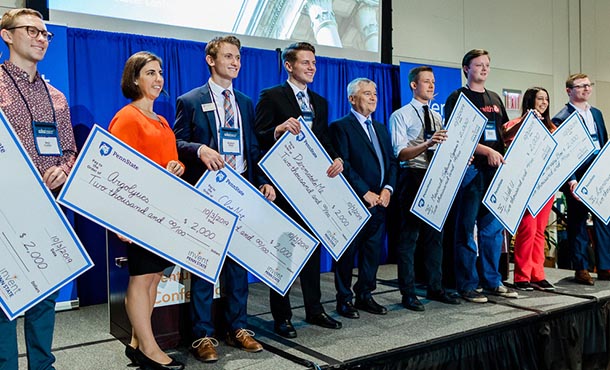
column 370, row 168
column 579, row 88
column 214, row 128
column 277, row 111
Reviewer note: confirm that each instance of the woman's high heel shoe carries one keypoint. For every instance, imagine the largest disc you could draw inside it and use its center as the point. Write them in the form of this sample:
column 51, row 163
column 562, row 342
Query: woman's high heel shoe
column 130, row 353
column 149, row 364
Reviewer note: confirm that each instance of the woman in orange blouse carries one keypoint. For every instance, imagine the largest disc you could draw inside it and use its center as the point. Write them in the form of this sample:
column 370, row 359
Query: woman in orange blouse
column 529, row 241
column 141, row 128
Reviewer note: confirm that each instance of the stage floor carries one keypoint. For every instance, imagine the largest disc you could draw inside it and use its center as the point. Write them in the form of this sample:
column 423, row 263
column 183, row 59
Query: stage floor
column 82, row 340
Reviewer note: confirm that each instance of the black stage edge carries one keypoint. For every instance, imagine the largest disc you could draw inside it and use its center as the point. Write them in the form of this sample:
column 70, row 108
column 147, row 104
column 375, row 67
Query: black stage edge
column 574, row 338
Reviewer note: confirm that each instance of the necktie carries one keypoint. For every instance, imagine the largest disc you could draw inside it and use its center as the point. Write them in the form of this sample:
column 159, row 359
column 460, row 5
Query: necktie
column 375, row 142
column 229, row 122
column 427, row 130
column 306, row 111
column 427, row 122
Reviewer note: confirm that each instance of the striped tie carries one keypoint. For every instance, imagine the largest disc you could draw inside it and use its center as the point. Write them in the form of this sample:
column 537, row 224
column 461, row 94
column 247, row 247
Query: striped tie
column 306, row 111
column 229, row 122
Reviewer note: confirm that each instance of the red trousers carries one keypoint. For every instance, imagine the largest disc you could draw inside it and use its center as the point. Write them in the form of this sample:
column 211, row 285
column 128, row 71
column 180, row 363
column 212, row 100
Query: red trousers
column 529, row 245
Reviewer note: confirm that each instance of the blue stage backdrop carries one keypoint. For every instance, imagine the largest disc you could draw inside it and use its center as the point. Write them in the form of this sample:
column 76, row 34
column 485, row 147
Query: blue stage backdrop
column 446, row 80
column 96, row 61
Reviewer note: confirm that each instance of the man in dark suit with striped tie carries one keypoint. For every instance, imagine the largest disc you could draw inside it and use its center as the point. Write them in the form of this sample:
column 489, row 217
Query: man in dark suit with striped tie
column 370, row 168
column 277, row 111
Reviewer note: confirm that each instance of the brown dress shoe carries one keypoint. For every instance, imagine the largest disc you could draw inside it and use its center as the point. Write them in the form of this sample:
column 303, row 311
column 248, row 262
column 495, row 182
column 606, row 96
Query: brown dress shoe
column 203, row 349
column 244, row 339
column 583, row 277
column 603, row 274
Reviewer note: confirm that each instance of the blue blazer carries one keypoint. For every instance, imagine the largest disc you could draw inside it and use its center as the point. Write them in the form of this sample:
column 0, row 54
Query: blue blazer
column 564, row 113
column 361, row 167
column 194, row 127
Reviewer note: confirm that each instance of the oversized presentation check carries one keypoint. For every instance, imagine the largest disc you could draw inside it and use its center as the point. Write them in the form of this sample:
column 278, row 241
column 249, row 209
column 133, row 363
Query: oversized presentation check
column 297, row 165
column 594, row 187
column 40, row 251
column 266, row 241
column 574, row 146
column 449, row 163
column 120, row 189
column 512, row 185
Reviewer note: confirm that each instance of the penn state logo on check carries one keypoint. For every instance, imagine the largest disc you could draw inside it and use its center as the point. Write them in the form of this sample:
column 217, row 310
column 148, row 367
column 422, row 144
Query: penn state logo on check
column 105, row 148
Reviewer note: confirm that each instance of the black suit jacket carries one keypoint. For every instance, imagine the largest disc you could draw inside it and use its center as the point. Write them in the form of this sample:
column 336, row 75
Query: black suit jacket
column 194, row 127
column 361, row 167
column 277, row 104
column 564, row 113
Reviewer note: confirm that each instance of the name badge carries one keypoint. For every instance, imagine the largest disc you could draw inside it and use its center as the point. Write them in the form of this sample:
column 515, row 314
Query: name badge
column 308, row 118
column 208, row 107
column 230, row 141
column 596, row 143
column 46, row 138
column 490, row 131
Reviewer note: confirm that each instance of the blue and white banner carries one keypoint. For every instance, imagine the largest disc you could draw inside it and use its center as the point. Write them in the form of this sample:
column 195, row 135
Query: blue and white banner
column 41, row 253
column 446, row 80
column 123, row 191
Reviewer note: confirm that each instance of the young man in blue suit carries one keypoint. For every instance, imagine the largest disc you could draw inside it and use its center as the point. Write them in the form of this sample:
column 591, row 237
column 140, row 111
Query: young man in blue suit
column 214, row 128
column 277, row 111
column 579, row 88
column 370, row 168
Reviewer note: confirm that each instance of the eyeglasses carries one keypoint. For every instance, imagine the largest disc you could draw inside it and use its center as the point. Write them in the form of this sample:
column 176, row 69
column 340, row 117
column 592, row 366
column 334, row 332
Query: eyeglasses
column 584, row 86
column 33, row 32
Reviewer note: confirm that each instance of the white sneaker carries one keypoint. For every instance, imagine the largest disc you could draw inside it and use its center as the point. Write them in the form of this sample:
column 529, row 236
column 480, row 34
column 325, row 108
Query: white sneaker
column 503, row 291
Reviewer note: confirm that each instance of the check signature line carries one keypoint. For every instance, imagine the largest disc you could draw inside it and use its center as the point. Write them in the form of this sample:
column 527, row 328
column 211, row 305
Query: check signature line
column 8, row 244
column 209, row 247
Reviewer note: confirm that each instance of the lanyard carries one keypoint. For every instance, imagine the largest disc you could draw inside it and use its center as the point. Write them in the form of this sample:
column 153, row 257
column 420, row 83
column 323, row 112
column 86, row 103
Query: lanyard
column 423, row 125
column 25, row 101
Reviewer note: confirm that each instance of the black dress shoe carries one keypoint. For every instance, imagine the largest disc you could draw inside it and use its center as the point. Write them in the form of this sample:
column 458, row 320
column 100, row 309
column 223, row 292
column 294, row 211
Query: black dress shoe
column 348, row 310
column 285, row 329
column 323, row 320
column 443, row 297
column 412, row 303
column 369, row 305
column 130, row 353
column 149, row 364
